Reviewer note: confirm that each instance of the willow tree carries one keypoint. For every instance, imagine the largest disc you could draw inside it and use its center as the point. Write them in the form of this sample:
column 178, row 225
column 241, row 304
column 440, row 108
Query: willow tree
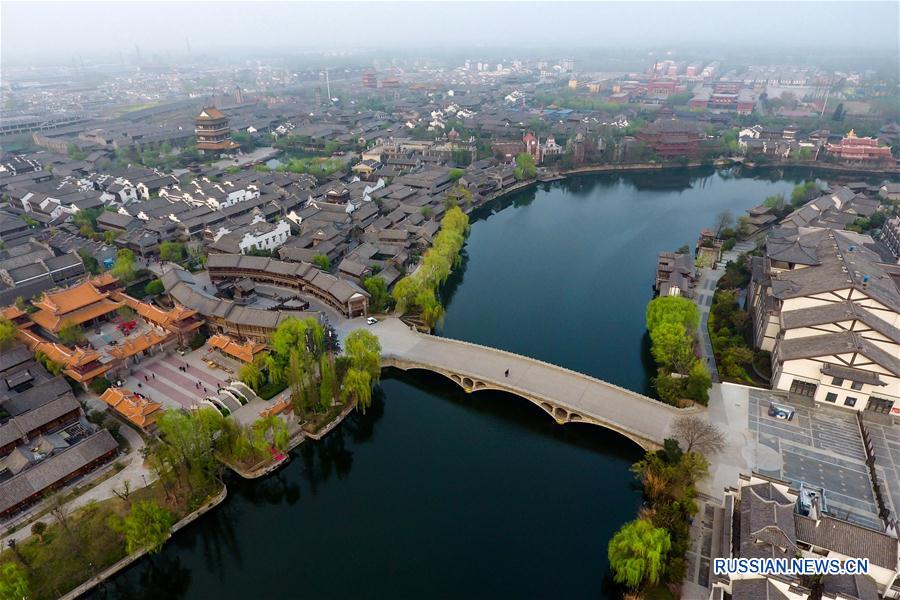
column 147, row 527
column 357, row 388
column 270, row 431
column 251, row 374
column 637, row 553
column 364, row 351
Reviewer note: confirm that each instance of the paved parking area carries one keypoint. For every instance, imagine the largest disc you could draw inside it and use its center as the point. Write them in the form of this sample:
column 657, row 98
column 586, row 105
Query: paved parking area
column 822, row 447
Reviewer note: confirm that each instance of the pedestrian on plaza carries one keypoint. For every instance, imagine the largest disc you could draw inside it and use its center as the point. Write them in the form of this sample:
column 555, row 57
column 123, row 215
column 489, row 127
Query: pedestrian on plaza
column 506, row 374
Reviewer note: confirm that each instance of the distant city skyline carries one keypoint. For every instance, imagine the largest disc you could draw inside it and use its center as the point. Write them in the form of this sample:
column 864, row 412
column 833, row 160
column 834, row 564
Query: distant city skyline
column 46, row 31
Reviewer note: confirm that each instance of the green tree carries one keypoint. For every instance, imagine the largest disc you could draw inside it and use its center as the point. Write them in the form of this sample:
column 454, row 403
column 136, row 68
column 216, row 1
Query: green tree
column 672, row 309
column 637, row 553
column 357, row 387
column 322, row 261
column 13, row 582
column 147, row 527
column 455, row 174
column 698, row 382
column 364, row 351
column 39, row 529
column 71, row 333
column 305, row 335
column 154, row 287
column 124, row 268
column 838, row 114
column 327, row 384
column 672, row 347
column 90, row 263
column 271, row 431
column 171, row 252
column 252, row 375
column 7, row 334
column 525, row 167
column 377, row 288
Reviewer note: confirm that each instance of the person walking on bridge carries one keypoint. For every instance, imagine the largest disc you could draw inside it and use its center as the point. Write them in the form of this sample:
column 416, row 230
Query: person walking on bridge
column 506, row 374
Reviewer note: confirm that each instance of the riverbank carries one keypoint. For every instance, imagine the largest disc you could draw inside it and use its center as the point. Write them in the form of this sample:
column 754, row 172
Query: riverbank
column 128, row 560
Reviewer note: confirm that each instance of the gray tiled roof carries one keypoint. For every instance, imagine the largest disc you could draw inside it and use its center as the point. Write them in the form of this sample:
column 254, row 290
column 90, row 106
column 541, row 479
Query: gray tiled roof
column 51, row 470
column 835, row 313
column 848, row 539
column 829, row 344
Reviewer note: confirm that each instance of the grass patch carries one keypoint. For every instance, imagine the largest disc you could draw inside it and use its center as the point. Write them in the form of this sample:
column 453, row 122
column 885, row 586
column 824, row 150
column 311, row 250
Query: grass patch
column 69, row 554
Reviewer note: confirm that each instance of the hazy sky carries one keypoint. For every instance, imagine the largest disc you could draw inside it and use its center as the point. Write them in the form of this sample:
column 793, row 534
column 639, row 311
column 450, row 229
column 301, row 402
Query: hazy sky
column 41, row 29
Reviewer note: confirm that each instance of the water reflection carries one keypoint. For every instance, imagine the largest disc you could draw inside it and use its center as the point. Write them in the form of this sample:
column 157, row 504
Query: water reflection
column 161, row 576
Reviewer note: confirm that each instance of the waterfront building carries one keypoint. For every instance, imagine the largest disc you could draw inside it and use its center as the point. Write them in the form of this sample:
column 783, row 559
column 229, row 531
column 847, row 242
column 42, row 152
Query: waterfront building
column 865, row 150
column 826, row 307
column 764, row 517
column 675, row 274
column 225, row 316
column 213, row 132
column 672, row 138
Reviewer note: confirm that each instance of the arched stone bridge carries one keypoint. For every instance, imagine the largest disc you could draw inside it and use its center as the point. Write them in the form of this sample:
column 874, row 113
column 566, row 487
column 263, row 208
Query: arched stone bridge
column 567, row 396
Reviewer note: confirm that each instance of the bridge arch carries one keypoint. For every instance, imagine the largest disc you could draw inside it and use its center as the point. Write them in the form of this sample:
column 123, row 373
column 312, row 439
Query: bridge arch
column 560, row 414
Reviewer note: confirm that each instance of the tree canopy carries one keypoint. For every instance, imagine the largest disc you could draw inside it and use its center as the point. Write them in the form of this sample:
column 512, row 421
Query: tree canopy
column 147, row 527
column 124, row 268
column 637, row 553
column 525, row 167
column 7, row 334
column 419, row 290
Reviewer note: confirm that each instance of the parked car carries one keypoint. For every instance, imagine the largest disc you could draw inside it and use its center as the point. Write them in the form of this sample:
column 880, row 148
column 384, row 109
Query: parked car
column 781, row 412
column 371, row 320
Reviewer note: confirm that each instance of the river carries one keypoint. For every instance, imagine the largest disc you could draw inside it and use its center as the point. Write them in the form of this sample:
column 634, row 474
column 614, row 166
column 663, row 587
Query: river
column 435, row 493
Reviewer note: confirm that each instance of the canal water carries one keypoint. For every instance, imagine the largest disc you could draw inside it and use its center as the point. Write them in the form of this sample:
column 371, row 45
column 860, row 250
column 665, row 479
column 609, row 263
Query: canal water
column 437, row 494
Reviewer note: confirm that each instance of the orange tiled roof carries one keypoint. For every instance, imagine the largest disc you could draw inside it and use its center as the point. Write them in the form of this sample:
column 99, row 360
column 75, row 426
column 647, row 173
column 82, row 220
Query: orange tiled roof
column 70, row 359
column 138, row 343
column 140, row 411
column 228, row 345
column 210, row 113
column 69, row 299
column 279, row 407
column 54, row 321
column 154, row 314
column 104, row 279
column 12, row 312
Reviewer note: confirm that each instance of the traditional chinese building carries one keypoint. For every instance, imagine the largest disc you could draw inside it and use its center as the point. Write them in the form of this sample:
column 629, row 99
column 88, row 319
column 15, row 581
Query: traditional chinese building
column 81, row 305
column 860, row 150
column 245, row 352
column 213, row 132
column 137, row 409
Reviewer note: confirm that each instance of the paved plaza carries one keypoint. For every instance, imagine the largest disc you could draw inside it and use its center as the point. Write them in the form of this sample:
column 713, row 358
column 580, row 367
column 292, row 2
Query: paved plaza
column 160, row 378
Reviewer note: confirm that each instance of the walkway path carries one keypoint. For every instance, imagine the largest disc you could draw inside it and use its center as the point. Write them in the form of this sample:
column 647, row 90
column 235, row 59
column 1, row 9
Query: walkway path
column 703, row 297
column 568, row 396
column 135, row 473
